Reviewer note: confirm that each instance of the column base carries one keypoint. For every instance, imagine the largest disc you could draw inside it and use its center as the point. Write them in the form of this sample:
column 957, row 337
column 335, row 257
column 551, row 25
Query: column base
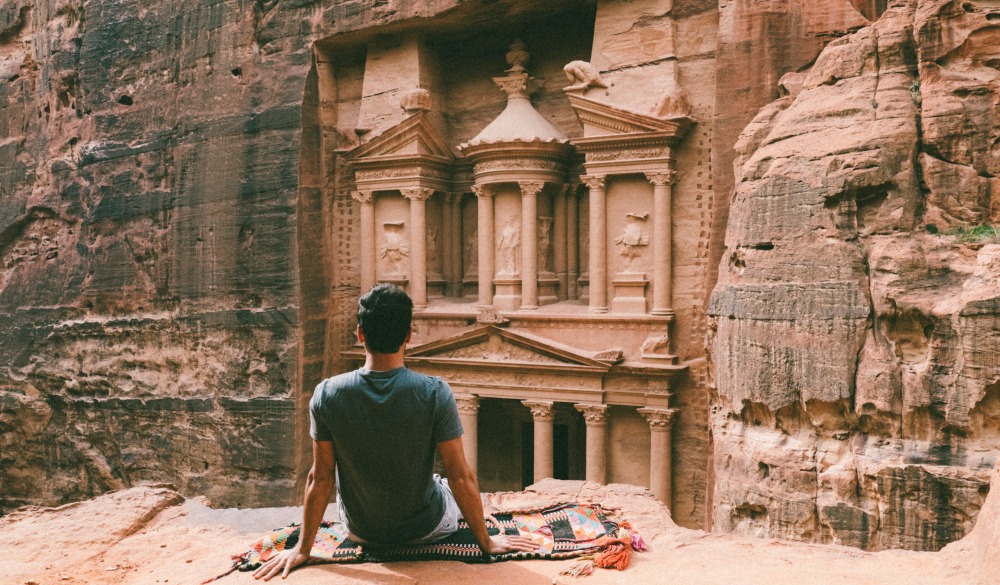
column 508, row 294
column 660, row 312
column 548, row 288
column 630, row 293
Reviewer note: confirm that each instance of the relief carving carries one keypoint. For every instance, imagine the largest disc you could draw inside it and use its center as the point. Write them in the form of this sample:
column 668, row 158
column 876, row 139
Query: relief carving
column 471, row 254
column 509, row 246
column 415, row 100
column 393, row 250
column 655, row 346
column 632, row 239
column 544, row 243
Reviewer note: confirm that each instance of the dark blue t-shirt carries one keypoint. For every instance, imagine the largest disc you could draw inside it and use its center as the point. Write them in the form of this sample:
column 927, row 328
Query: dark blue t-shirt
column 384, row 427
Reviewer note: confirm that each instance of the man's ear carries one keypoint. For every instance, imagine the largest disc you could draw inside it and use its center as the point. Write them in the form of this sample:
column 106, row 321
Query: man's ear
column 409, row 334
column 361, row 335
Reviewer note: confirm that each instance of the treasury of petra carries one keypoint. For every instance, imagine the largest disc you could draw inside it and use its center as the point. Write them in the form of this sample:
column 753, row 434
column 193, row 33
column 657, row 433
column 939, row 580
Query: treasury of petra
column 744, row 254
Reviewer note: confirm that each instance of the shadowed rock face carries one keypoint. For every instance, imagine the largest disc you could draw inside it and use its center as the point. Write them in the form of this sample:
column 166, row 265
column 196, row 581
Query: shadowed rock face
column 149, row 184
column 854, row 341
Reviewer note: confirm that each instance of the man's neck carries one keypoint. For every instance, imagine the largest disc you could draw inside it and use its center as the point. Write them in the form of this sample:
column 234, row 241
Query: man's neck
column 383, row 362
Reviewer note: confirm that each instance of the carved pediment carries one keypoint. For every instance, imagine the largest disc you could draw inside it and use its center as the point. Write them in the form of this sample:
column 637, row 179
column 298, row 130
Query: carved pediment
column 603, row 119
column 493, row 346
column 414, row 136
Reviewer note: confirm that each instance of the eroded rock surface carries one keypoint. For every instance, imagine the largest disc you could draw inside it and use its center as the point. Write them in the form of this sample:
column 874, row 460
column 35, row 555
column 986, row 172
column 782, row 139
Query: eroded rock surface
column 157, row 536
column 854, row 340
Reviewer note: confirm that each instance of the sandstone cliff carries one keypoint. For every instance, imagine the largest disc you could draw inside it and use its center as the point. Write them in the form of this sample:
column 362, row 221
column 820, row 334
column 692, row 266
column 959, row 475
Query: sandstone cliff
column 854, row 328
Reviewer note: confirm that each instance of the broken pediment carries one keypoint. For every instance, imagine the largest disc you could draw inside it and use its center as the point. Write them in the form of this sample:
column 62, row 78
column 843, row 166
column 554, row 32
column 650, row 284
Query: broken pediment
column 600, row 119
column 493, row 346
column 414, row 136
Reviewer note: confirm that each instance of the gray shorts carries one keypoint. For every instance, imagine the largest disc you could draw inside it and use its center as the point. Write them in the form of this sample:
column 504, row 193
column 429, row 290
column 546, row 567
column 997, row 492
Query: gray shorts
column 447, row 526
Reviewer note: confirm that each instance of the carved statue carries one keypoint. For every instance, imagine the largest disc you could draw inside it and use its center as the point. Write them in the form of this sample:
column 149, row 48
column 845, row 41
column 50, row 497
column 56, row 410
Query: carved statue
column 582, row 75
column 394, row 248
column 509, row 247
column 432, row 243
column 657, row 345
column 415, row 100
column 544, row 243
column 673, row 105
column 471, row 254
column 632, row 238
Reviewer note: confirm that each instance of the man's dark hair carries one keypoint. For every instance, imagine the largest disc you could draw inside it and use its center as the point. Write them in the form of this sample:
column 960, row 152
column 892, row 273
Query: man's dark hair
column 384, row 314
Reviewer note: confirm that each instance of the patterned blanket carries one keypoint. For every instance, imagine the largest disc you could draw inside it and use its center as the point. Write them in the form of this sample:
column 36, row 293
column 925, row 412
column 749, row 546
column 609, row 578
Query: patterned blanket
column 561, row 531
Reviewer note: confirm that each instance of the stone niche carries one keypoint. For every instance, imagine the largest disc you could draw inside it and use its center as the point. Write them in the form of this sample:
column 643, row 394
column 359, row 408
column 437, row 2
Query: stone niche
column 526, row 209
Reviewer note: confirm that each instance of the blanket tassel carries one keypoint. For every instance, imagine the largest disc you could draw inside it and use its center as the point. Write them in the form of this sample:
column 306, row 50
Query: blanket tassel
column 581, row 569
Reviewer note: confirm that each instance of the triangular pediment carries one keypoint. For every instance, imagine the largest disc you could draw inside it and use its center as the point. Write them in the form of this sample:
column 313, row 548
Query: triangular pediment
column 414, row 136
column 492, row 345
column 603, row 119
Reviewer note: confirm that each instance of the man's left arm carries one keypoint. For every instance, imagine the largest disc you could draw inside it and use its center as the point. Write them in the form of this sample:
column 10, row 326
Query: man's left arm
column 319, row 488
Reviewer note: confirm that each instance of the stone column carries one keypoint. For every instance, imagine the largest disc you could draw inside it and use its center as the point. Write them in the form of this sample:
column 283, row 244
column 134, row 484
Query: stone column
column 596, row 418
column 572, row 242
column 458, row 268
column 468, row 412
column 543, row 415
column 486, row 243
column 662, row 236
column 447, row 242
column 598, row 244
column 660, row 455
column 559, row 239
column 418, row 244
column 367, row 200
column 529, row 243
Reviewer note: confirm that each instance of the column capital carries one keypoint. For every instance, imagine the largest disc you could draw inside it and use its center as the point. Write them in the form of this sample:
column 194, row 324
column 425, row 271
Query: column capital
column 362, row 196
column 593, row 181
column 530, row 187
column 452, row 198
column 482, row 190
column 417, row 193
column 594, row 415
column 540, row 411
column 661, row 178
column 659, row 419
column 467, row 403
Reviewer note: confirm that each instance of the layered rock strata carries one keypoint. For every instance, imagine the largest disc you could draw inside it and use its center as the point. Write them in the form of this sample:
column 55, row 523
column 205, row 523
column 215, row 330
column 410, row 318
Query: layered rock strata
column 854, row 331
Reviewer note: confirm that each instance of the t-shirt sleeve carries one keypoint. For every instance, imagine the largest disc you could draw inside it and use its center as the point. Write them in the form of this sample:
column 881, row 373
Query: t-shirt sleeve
column 318, row 428
column 447, row 424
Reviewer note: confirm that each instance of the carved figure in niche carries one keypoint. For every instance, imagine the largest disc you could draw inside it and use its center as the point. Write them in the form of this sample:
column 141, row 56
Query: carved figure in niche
column 632, row 238
column 582, row 75
column 544, row 243
column 673, row 105
column 394, row 248
column 471, row 254
column 509, row 247
column 432, row 243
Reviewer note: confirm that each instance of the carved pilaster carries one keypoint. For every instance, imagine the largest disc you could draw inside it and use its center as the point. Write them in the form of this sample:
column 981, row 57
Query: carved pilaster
column 467, row 403
column 362, row 196
column 486, row 252
column 659, row 419
column 543, row 414
column 417, row 193
column 661, row 178
column 540, row 411
column 529, row 243
column 593, row 181
column 594, row 414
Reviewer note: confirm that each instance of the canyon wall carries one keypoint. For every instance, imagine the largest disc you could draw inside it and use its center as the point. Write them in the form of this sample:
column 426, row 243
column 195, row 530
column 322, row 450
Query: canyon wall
column 854, row 329
column 149, row 214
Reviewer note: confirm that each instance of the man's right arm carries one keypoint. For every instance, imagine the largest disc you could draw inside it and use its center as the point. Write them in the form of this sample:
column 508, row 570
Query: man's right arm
column 465, row 486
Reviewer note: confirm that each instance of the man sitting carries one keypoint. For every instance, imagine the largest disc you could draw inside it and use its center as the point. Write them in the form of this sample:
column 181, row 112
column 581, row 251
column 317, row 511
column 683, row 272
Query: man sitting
column 380, row 425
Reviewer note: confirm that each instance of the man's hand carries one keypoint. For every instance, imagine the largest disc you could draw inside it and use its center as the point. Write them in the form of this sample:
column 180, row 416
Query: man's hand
column 283, row 563
column 505, row 543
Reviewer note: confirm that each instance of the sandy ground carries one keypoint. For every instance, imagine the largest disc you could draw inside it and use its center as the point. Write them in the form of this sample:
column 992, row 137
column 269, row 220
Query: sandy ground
column 151, row 535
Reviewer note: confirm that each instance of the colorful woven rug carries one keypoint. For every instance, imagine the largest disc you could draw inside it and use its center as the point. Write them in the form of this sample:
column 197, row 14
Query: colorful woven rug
column 561, row 531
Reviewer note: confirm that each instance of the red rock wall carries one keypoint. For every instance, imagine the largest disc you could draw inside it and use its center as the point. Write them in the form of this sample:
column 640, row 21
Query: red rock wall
column 151, row 216
column 855, row 344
